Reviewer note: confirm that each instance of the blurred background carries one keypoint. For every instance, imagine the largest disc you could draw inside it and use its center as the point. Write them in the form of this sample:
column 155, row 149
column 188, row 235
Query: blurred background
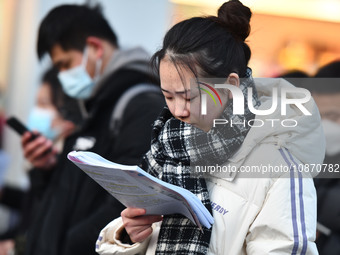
column 286, row 35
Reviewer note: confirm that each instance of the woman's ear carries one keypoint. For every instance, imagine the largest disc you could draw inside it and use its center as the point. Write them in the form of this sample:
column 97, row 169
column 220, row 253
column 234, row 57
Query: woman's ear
column 233, row 79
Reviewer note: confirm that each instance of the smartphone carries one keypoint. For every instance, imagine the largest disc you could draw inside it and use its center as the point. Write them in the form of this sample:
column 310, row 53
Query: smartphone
column 19, row 127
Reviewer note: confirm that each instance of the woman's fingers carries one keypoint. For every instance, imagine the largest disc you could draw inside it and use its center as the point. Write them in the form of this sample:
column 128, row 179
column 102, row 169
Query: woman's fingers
column 137, row 224
column 142, row 220
column 132, row 212
column 141, row 235
column 38, row 151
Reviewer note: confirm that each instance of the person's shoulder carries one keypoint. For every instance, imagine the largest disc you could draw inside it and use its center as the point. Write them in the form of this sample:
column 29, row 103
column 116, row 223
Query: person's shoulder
column 150, row 98
column 146, row 100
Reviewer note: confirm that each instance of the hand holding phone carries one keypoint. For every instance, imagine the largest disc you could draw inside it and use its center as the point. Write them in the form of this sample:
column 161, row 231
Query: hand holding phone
column 19, row 127
column 37, row 149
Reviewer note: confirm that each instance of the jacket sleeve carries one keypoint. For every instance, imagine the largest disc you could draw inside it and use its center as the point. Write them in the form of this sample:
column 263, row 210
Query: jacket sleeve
column 286, row 223
column 109, row 242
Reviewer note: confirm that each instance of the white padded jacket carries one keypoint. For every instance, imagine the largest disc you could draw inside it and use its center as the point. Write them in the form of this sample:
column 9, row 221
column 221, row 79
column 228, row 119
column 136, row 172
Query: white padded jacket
column 254, row 213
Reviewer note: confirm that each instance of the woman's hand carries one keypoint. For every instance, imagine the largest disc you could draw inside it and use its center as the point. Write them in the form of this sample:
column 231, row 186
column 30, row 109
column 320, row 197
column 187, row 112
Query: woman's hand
column 39, row 152
column 137, row 224
column 7, row 247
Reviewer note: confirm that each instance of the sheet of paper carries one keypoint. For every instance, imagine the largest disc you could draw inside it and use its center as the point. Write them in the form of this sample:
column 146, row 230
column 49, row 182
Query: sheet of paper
column 133, row 187
column 125, row 187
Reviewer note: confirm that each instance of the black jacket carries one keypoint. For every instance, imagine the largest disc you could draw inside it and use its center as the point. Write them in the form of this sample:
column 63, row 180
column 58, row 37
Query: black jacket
column 75, row 208
column 328, row 194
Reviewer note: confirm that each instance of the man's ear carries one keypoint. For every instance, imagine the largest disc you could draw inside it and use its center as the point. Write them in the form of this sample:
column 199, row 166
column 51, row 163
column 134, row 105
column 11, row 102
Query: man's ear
column 95, row 44
column 233, row 79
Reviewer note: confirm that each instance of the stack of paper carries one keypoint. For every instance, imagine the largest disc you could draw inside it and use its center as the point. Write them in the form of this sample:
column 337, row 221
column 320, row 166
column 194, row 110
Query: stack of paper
column 135, row 188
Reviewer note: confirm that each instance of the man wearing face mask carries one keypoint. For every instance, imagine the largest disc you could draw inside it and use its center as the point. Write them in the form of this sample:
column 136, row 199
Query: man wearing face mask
column 325, row 89
column 103, row 78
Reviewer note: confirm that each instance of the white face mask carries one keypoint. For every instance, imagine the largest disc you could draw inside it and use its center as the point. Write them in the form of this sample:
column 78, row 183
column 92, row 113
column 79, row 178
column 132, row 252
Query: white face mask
column 332, row 133
column 41, row 120
column 76, row 82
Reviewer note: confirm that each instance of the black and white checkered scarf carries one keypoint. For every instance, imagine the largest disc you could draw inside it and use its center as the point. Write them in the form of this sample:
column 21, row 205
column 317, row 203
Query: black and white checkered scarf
column 175, row 145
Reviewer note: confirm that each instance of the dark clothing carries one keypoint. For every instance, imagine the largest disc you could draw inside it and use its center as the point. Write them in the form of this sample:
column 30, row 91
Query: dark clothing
column 328, row 193
column 12, row 197
column 329, row 245
column 75, row 208
column 22, row 203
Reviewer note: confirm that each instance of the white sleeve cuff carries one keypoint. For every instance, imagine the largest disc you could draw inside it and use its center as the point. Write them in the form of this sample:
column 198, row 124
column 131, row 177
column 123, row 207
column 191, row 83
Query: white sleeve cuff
column 108, row 242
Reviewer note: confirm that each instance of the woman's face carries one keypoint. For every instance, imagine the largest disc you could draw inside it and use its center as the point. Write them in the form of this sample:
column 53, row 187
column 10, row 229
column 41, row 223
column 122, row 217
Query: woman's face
column 183, row 100
column 44, row 101
column 176, row 91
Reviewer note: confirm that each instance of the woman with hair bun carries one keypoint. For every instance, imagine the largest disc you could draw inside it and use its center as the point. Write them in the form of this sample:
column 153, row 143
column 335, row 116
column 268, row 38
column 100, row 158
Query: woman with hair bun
column 273, row 213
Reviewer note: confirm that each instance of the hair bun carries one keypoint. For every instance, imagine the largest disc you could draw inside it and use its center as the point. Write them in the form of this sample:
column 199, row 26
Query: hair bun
column 236, row 17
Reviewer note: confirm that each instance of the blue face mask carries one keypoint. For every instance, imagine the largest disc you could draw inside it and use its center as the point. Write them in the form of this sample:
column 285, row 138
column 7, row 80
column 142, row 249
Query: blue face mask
column 76, row 82
column 41, row 120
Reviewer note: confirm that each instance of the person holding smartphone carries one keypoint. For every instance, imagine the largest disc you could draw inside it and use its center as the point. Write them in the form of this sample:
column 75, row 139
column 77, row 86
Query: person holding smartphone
column 95, row 71
column 49, row 119
column 54, row 117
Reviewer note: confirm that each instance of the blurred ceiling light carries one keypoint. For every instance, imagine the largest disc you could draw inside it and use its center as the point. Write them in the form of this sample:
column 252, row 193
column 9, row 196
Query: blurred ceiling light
column 325, row 10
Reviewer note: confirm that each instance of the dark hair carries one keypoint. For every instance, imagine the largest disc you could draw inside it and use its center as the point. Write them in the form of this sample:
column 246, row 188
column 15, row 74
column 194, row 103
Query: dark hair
column 50, row 78
column 331, row 70
column 216, row 45
column 326, row 79
column 67, row 107
column 70, row 25
column 294, row 74
column 297, row 78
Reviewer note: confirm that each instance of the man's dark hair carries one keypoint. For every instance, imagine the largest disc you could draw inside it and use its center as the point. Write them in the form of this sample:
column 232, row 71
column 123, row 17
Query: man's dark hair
column 294, row 74
column 331, row 70
column 70, row 25
column 297, row 78
column 327, row 79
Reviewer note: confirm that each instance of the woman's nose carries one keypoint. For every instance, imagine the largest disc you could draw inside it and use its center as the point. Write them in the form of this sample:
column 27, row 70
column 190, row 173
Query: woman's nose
column 182, row 109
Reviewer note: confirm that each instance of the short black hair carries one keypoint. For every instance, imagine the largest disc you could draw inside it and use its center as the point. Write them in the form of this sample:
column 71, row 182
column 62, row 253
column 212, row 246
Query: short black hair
column 70, row 25
column 297, row 77
column 327, row 79
column 294, row 74
column 331, row 70
column 50, row 78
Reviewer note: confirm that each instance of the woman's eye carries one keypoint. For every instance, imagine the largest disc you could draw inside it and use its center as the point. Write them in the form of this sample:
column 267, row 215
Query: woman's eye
column 168, row 98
